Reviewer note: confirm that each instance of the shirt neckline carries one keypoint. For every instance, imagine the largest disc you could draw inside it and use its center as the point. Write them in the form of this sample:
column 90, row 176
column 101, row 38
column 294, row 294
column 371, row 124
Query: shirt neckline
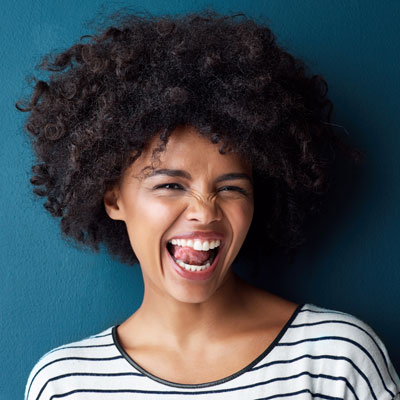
column 212, row 383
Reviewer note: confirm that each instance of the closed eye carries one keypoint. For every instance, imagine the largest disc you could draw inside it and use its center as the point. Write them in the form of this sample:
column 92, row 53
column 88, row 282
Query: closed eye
column 169, row 186
column 232, row 188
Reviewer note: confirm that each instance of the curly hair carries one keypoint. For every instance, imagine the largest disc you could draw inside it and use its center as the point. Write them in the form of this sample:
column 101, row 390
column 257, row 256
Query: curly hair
column 142, row 76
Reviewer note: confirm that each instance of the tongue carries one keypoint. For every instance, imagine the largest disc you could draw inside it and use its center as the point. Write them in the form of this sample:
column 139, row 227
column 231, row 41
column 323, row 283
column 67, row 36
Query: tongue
column 189, row 255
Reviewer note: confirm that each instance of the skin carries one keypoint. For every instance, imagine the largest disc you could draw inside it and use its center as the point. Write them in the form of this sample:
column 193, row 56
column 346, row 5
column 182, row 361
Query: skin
column 187, row 330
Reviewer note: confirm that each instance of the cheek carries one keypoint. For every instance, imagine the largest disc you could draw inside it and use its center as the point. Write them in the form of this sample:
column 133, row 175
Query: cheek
column 243, row 210
column 147, row 221
column 240, row 216
column 152, row 210
column 244, row 221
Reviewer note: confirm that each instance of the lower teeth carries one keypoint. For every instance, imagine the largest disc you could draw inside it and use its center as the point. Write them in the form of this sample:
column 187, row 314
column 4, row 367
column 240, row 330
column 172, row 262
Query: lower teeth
column 192, row 268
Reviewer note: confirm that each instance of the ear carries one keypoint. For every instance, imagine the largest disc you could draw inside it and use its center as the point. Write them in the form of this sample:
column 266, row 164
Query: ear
column 111, row 204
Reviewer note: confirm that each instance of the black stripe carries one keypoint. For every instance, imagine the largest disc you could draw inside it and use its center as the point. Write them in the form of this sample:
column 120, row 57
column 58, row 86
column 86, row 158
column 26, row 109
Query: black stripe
column 316, row 376
column 329, row 357
column 99, row 336
column 314, row 395
column 69, row 358
column 323, row 311
column 87, row 374
column 213, row 383
column 344, row 340
column 356, row 326
column 80, row 347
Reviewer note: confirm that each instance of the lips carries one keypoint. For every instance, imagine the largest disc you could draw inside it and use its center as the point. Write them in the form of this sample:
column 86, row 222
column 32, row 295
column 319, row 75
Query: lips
column 197, row 275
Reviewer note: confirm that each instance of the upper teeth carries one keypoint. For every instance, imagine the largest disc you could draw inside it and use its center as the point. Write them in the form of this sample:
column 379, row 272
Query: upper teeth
column 196, row 244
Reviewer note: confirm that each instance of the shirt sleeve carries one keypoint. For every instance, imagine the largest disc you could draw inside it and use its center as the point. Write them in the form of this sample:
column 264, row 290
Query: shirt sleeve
column 40, row 384
column 357, row 354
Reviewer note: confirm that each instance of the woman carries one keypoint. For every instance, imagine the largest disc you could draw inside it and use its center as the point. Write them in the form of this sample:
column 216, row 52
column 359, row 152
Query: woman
column 160, row 138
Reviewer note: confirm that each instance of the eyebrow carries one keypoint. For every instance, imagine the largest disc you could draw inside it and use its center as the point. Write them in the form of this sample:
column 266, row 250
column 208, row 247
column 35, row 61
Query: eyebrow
column 233, row 176
column 183, row 174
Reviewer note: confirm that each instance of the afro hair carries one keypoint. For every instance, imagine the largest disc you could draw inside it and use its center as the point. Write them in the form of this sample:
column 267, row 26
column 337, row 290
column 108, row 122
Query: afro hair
column 111, row 93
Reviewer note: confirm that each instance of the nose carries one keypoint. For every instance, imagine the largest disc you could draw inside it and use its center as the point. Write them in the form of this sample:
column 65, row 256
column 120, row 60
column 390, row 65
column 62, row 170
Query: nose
column 204, row 211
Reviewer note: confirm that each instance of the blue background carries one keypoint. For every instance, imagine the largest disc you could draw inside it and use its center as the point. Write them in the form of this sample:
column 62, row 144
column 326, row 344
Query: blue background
column 52, row 293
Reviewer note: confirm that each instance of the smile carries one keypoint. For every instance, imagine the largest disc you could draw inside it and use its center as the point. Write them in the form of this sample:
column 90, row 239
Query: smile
column 194, row 255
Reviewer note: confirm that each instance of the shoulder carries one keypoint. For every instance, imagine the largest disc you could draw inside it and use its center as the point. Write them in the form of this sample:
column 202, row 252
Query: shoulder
column 56, row 367
column 347, row 347
column 336, row 324
column 331, row 325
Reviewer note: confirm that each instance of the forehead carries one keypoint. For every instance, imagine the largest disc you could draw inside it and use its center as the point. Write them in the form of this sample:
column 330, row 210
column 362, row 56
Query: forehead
column 187, row 149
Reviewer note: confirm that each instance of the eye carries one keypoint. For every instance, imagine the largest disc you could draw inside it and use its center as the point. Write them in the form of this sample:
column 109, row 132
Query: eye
column 232, row 188
column 169, row 186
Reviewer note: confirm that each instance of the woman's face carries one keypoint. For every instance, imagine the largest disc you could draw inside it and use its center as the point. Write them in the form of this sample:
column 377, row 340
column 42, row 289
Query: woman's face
column 186, row 219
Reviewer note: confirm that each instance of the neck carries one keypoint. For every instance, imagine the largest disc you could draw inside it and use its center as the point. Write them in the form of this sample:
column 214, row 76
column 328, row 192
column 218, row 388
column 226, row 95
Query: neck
column 186, row 323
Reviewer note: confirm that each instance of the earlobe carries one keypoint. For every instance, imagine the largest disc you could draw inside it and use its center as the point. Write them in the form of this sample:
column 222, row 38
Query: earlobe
column 111, row 204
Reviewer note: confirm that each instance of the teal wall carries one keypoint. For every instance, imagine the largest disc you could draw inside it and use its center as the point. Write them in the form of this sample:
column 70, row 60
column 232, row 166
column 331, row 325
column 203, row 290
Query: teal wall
column 52, row 293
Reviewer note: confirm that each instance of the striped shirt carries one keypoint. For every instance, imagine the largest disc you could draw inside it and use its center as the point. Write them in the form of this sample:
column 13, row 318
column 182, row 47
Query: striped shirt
column 319, row 354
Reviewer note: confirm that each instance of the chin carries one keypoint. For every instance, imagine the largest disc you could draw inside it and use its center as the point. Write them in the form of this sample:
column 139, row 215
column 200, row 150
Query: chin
column 191, row 295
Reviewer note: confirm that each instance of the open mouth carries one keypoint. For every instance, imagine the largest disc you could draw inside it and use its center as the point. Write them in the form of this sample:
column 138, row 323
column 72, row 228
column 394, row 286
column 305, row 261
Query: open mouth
column 193, row 255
